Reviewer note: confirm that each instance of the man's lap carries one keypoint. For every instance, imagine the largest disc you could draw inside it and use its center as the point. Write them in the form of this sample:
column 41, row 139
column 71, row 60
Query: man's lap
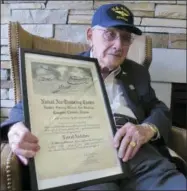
column 106, row 186
column 146, row 157
column 148, row 170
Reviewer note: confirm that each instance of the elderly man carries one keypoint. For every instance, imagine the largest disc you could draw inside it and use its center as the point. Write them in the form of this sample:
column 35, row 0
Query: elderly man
column 143, row 120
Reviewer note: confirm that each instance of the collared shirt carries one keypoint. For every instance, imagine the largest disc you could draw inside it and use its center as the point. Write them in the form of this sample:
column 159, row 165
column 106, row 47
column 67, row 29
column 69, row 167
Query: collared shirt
column 117, row 101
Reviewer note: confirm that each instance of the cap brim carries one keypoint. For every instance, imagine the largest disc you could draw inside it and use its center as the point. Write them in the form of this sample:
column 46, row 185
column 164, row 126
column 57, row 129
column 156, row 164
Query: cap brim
column 129, row 28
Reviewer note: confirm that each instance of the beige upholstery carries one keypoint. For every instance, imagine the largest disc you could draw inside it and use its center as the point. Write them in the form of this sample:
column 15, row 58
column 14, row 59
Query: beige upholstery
column 178, row 141
column 140, row 51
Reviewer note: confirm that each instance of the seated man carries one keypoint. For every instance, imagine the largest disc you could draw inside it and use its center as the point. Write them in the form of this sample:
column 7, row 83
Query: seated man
column 142, row 135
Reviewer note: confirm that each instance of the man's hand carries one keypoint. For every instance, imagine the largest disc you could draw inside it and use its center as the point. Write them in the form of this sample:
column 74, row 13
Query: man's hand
column 130, row 138
column 22, row 142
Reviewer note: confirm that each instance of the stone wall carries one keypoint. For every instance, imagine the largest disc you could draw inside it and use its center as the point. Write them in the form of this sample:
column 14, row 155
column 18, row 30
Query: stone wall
column 164, row 21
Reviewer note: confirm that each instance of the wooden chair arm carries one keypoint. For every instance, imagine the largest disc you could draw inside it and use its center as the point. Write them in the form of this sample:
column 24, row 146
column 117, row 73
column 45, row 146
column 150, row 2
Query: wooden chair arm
column 10, row 170
column 178, row 141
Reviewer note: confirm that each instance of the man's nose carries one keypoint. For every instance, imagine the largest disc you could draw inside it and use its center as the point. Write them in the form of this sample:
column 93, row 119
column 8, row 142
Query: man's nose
column 118, row 44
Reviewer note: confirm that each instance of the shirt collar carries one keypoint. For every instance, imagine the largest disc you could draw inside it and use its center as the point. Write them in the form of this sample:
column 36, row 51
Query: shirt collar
column 115, row 71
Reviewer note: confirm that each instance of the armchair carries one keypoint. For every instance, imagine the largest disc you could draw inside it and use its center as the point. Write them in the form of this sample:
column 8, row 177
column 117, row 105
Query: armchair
column 140, row 51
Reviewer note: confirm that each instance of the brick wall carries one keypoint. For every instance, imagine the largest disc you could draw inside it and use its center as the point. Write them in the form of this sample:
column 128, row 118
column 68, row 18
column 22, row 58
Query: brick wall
column 164, row 21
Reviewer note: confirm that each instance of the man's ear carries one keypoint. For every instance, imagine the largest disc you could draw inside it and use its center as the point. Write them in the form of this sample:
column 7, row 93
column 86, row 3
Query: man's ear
column 89, row 36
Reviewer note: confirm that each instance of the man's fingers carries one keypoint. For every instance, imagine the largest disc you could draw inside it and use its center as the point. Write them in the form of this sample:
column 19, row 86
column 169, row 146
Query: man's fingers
column 135, row 151
column 23, row 152
column 30, row 137
column 15, row 140
column 128, row 153
column 139, row 142
column 29, row 146
column 22, row 142
column 118, row 136
column 131, row 151
column 123, row 146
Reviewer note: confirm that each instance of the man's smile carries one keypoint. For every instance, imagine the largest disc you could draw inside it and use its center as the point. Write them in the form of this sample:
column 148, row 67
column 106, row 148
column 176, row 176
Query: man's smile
column 116, row 55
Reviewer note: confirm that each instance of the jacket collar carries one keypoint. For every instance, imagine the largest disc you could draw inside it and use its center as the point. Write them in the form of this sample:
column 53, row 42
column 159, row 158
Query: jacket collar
column 129, row 90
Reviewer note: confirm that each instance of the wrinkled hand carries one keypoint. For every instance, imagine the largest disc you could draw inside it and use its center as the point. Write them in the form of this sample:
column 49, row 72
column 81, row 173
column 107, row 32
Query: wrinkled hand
column 129, row 138
column 22, row 142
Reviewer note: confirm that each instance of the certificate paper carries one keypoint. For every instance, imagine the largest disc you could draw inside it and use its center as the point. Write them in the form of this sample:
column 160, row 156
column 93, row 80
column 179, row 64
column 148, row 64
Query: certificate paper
column 66, row 107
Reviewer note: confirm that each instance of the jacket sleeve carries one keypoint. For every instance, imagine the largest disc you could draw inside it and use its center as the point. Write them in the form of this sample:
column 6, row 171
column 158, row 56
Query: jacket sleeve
column 16, row 115
column 157, row 112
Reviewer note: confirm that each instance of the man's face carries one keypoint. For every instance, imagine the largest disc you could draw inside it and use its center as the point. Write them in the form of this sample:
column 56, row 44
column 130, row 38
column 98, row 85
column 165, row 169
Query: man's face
column 109, row 45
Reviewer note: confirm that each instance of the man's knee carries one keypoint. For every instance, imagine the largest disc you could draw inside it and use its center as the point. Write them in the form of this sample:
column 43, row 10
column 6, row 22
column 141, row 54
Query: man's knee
column 148, row 158
column 150, row 170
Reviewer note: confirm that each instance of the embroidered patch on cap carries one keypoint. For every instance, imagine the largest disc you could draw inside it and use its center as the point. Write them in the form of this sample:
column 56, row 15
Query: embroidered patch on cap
column 120, row 13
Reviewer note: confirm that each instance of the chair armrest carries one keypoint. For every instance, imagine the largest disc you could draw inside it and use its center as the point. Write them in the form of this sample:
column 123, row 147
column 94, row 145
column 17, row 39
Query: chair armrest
column 178, row 141
column 10, row 170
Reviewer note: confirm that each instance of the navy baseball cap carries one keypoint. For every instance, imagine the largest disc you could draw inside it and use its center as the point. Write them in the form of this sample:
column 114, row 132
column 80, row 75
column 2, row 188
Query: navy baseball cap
column 115, row 15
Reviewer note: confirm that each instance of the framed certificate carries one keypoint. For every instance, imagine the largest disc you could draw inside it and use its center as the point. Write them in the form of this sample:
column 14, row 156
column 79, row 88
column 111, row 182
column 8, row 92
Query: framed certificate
column 67, row 108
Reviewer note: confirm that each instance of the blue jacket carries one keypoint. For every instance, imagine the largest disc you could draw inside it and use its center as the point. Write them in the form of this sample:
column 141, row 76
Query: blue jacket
column 142, row 100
